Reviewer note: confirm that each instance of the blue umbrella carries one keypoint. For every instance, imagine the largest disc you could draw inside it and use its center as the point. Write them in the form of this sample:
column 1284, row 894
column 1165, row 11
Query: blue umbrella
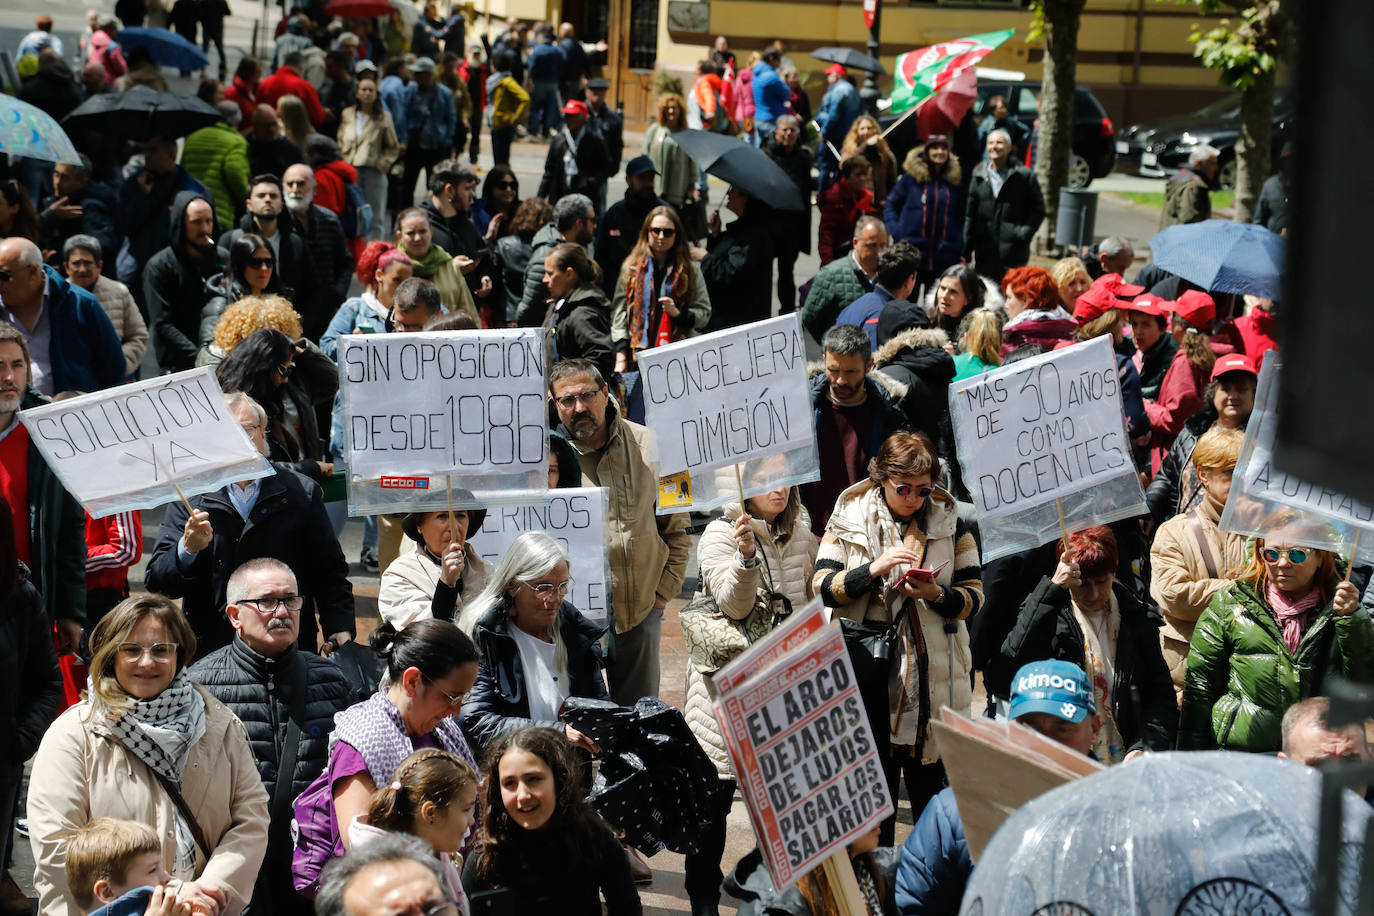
column 30, row 132
column 1221, row 256
column 167, row 48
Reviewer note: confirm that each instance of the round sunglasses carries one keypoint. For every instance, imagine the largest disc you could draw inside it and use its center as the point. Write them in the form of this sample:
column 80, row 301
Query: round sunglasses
column 1296, row 555
column 905, row 490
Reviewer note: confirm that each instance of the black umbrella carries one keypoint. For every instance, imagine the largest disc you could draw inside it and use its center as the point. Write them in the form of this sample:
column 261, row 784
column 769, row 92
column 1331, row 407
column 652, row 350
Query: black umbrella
column 735, row 161
column 850, row 59
column 140, row 112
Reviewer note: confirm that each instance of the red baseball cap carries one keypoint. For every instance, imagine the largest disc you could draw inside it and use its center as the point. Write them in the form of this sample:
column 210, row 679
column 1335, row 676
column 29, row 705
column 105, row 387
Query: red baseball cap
column 1148, row 304
column 837, row 69
column 1194, row 307
column 576, row 107
column 1232, row 362
column 1118, row 287
column 1095, row 303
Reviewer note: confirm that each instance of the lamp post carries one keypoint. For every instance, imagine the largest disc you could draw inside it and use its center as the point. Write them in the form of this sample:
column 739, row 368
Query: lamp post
column 873, row 18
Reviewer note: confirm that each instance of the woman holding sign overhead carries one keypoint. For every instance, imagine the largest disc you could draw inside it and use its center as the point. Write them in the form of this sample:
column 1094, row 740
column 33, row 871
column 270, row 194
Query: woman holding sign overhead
column 766, row 548
column 433, row 579
column 895, row 552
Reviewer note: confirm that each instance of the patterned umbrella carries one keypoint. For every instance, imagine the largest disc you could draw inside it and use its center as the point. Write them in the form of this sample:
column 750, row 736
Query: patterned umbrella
column 1222, row 256
column 32, row 132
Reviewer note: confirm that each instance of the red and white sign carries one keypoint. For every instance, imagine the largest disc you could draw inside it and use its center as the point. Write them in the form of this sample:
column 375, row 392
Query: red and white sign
column 405, row 483
column 870, row 12
column 800, row 742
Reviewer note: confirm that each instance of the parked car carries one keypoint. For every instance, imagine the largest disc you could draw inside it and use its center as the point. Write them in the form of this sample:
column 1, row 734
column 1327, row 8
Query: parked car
column 1160, row 146
column 1094, row 153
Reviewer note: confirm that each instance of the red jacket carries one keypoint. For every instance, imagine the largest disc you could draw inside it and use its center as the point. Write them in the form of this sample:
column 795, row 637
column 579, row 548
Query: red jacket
column 840, row 210
column 1180, row 396
column 287, row 81
column 244, row 96
column 113, row 544
column 1259, row 332
column 331, row 180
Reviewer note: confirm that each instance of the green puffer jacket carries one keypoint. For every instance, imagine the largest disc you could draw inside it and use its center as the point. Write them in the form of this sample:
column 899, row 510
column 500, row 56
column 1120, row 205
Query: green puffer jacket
column 217, row 156
column 1241, row 677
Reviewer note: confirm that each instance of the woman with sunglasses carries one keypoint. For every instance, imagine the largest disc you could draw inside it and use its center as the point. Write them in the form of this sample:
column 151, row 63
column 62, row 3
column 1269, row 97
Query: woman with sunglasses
column 440, row 575
column 252, row 271
column 661, row 296
column 1082, row 614
column 431, row 666
column 896, row 551
column 289, row 379
column 535, row 648
column 493, row 212
column 148, row 745
column 1290, row 621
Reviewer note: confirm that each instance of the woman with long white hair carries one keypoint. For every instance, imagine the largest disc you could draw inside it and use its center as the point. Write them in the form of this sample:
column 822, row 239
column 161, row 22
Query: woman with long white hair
column 535, row 648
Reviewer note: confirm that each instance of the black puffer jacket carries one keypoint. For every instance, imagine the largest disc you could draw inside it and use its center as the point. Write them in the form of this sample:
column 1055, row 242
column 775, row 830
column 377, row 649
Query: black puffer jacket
column 259, row 690
column 1046, row 629
column 30, row 685
column 499, row 702
column 582, row 327
column 917, row 360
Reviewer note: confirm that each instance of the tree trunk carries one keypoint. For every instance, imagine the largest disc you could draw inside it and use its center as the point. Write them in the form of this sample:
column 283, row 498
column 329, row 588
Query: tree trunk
column 1057, row 105
column 1253, row 144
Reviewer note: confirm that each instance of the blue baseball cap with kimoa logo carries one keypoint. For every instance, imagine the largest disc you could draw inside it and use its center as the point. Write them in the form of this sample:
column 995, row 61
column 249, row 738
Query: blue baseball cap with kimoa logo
column 1055, row 687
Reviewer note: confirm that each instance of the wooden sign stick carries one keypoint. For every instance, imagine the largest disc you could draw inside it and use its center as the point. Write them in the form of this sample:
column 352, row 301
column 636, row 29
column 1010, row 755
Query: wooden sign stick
column 842, row 886
column 184, row 501
column 739, row 481
column 1063, row 529
column 1354, row 549
column 452, row 522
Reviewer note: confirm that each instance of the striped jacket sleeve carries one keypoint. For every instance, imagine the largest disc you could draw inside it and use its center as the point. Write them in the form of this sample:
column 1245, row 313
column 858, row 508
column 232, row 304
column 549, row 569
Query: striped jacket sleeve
column 123, row 547
column 964, row 595
column 836, row 585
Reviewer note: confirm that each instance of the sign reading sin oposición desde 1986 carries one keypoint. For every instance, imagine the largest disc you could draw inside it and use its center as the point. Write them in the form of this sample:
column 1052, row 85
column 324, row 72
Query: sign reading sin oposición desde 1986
column 800, row 740
column 719, row 399
column 466, row 402
column 1042, row 428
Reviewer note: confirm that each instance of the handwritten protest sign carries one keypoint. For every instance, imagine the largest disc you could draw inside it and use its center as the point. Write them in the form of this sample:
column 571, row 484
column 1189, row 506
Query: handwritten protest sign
column 1266, row 501
column 1041, row 436
column 801, row 744
column 576, row 517
column 733, row 399
column 132, row 446
column 426, row 408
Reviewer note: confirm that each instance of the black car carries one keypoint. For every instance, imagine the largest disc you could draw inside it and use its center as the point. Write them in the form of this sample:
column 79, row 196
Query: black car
column 1160, row 147
column 1094, row 154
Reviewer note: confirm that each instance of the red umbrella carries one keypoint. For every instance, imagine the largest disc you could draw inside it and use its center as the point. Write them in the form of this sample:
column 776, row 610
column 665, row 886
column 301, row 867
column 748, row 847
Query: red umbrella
column 942, row 112
column 359, row 9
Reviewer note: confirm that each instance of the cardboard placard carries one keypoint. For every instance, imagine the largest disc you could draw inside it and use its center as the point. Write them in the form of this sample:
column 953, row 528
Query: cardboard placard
column 1041, row 434
column 800, row 742
column 576, row 517
column 737, row 397
column 467, row 405
column 132, row 446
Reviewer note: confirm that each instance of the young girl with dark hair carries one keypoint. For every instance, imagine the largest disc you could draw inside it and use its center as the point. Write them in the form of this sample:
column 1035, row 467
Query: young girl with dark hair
column 540, row 839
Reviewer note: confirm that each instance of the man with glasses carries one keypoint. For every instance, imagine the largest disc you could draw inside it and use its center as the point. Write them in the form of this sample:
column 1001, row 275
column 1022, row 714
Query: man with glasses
column 72, row 344
column 394, row 875
column 286, row 700
column 647, row 553
column 280, row 516
column 574, row 220
column 618, row 229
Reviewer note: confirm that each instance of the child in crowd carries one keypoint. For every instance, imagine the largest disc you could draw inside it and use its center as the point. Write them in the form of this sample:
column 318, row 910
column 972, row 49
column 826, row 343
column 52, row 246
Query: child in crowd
column 433, row 797
column 114, row 868
column 540, row 841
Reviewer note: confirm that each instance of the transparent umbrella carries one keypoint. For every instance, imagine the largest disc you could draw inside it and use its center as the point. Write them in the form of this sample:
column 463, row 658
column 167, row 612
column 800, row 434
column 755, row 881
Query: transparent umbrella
column 1177, row 834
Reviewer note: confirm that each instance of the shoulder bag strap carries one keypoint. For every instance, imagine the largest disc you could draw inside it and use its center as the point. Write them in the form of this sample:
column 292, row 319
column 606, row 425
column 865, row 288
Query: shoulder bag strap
column 184, row 810
column 1209, row 559
column 282, row 796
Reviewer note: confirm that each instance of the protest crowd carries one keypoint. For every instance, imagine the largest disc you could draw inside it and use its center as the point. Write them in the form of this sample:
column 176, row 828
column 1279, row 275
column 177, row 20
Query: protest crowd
column 223, row 739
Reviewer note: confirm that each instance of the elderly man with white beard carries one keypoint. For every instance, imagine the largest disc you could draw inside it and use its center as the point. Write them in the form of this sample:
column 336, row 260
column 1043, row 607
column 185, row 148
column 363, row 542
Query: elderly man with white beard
column 329, row 256
column 286, row 700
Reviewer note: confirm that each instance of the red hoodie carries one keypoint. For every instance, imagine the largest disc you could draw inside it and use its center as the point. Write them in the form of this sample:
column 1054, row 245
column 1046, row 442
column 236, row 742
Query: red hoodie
column 840, row 210
column 331, row 181
column 1259, row 332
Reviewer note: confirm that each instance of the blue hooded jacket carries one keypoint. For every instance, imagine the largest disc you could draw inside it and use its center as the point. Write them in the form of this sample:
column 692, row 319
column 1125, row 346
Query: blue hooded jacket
column 771, row 94
column 935, row 864
column 84, row 350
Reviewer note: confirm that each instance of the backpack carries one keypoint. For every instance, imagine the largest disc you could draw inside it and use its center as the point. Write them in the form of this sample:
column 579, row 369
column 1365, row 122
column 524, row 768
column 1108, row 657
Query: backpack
column 315, row 835
column 357, row 212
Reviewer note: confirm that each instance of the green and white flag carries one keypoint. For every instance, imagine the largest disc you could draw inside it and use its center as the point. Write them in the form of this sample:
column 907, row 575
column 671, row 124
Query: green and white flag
column 925, row 71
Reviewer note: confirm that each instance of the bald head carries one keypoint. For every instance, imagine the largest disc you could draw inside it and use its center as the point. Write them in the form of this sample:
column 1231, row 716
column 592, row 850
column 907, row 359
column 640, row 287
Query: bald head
column 265, row 125
column 565, row 30
column 24, row 288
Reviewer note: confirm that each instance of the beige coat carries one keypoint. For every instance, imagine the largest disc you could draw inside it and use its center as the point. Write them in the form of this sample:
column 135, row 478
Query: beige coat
column 81, row 773
column 377, row 147
column 733, row 586
column 409, row 582
column 1180, row 584
column 128, row 321
column 647, row 553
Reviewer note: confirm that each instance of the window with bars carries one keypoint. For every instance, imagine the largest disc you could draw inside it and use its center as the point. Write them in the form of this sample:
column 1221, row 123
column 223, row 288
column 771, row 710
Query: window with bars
column 643, row 34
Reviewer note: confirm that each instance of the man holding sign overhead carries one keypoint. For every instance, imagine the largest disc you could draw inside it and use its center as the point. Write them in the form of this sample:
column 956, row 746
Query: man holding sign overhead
column 647, row 552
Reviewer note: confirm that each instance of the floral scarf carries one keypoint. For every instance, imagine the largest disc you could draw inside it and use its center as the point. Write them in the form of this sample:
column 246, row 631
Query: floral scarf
column 639, row 290
column 161, row 732
column 1100, row 635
